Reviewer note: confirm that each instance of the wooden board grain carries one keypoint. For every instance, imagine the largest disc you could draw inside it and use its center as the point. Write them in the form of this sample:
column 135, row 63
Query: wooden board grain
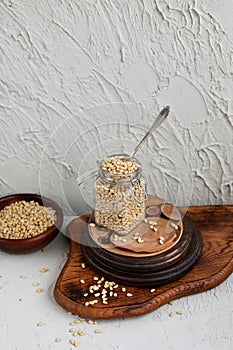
column 213, row 267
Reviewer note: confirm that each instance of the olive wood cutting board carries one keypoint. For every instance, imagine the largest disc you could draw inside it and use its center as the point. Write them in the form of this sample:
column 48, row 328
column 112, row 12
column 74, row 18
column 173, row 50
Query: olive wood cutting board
column 213, row 267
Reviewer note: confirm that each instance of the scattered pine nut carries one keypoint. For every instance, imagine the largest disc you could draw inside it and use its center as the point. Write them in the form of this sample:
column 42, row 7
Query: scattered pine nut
column 98, row 331
column 65, row 254
column 92, row 224
column 115, row 237
column 86, row 303
column 44, row 269
column 83, row 265
column 35, row 284
column 57, row 340
column 152, row 290
column 82, row 281
column 155, row 229
column 95, row 278
column 179, row 313
column 176, row 227
column 171, row 314
column 171, row 302
column 92, row 322
column 43, row 251
column 23, row 277
column 69, row 313
column 39, row 290
column 73, row 342
column 85, row 294
column 145, row 220
column 123, row 289
column 72, row 323
column 40, row 324
column 71, row 330
column 77, row 321
column 81, row 333
column 129, row 294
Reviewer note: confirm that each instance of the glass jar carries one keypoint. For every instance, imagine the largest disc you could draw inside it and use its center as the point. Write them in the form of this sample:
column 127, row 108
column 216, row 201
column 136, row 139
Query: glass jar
column 120, row 198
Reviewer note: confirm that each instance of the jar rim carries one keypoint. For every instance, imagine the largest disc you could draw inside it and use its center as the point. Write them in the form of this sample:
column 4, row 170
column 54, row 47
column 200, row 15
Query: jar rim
column 120, row 177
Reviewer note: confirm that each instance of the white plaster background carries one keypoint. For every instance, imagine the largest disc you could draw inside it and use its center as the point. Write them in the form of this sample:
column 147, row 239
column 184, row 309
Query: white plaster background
column 60, row 58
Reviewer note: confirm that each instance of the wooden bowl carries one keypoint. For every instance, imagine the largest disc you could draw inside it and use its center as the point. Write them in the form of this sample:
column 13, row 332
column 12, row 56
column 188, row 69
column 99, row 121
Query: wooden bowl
column 29, row 245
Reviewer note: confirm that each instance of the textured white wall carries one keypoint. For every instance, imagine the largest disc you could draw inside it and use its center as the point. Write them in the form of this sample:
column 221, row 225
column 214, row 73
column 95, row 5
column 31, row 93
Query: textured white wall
column 58, row 59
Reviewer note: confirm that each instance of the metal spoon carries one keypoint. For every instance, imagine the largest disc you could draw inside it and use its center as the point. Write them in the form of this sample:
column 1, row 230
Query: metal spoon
column 94, row 172
column 161, row 117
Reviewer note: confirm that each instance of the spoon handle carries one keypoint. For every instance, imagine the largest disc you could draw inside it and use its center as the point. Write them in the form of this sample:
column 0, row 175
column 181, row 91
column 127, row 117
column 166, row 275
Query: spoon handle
column 162, row 115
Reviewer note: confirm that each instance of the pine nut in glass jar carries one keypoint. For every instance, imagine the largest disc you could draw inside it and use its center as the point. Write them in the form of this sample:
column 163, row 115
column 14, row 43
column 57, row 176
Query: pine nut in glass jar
column 120, row 194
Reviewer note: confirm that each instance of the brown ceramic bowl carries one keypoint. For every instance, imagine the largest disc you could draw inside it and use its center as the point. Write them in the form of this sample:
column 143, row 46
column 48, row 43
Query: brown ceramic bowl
column 29, row 245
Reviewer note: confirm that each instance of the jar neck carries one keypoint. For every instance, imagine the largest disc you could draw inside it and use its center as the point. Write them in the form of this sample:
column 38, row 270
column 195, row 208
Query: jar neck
column 120, row 178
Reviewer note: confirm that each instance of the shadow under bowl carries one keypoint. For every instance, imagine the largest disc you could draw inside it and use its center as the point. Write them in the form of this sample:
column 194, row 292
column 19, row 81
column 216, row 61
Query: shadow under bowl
column 32, row 244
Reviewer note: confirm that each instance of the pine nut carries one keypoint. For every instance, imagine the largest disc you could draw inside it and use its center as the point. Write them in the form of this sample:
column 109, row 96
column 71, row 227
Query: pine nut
column 176, row 227
column 35, row 284
column 44, row 269
column 23, row 277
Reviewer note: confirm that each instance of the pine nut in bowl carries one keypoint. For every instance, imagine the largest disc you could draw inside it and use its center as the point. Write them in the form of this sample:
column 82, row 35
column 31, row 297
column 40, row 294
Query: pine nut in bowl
column 28, row 222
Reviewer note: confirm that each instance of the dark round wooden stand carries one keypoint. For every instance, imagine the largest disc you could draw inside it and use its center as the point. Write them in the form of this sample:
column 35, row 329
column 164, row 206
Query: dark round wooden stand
column 147, row 271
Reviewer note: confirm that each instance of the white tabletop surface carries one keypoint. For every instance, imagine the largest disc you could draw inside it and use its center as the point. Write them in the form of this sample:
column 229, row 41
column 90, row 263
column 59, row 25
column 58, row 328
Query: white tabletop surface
column 206, row 322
